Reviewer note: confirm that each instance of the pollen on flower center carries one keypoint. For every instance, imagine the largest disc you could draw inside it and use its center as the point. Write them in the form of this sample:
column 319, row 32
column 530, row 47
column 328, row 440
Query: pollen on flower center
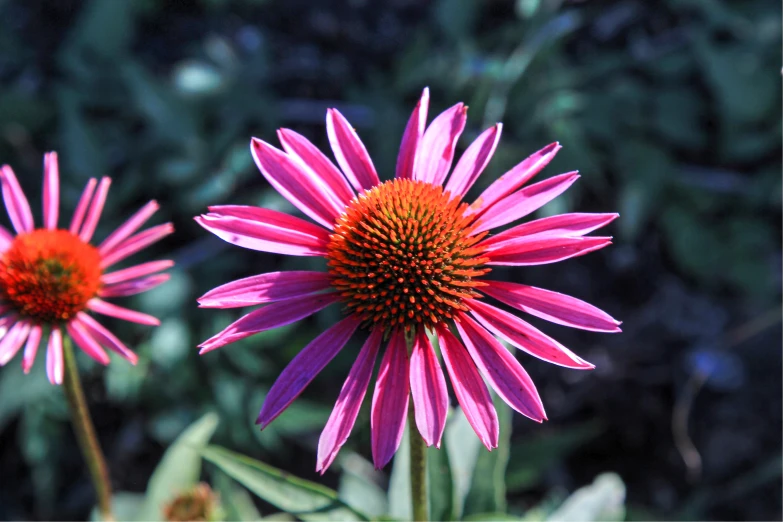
column 49, row 275
column 403, row 253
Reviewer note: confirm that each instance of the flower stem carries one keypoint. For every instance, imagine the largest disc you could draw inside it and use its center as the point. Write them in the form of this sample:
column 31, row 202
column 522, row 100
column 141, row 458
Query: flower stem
column 85, row 432
column 418, row 456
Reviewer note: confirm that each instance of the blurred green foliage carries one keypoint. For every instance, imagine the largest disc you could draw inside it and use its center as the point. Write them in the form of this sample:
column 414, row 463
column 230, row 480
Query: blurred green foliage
column 671, row 111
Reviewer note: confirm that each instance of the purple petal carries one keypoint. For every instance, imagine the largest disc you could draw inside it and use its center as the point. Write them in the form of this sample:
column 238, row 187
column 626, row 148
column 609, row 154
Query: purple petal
column 118, row 312
column 13, row 340
column 15, row 201
column 31, row 348
column 562, row 225
column 266, row 230
column 94, row 212
column 81, row 207
column 350, row 152
column 86, row 342
column 134, row 272
column 51, row 190
column 268, row 317
column 133, row 287
column 298, row 184
column 552, row 306
column 304, row 367
column 345, row 411
column 514, row 178
column 527, row 252
column 525, row 337
column 507, row 377
column 411, row 138
column 469, row 387
column 436, row 151
column 428, row 387
column 136, row 243
column 54, row 357
column 390, row 401
column 129, row 227
column 105, row 337
column 525, row 201
column 300, row 147
column 473, row 161
column 265, row 288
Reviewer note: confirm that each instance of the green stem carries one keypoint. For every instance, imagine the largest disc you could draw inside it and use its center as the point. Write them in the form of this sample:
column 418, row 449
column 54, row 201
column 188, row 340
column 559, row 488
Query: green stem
column 418, row 456
column 85, row 432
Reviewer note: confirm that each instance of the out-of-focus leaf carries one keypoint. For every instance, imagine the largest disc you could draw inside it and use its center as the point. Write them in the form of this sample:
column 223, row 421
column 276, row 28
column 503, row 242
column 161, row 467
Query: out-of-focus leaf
column 196, row 78
column 463, row 447
column 19, row 390
column 400, row 482
column 488, row 489
column 82, row 156
column 359, row 487
column 678, row 117
column 531, row 457
column 180, row 467
column 105, row 28
column 491, row 517
column 440, row 484
column 123, row 379
column 125, row 507
column 603, row 500
column 307, row 500
column 236, row 501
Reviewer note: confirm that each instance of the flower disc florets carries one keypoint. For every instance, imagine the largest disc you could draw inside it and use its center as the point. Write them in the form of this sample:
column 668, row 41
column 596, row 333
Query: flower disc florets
column 49, row 275
column 403, row 253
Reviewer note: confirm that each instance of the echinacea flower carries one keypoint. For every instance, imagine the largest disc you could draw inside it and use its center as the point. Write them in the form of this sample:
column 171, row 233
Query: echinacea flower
column 405, row 257
column 51, row 277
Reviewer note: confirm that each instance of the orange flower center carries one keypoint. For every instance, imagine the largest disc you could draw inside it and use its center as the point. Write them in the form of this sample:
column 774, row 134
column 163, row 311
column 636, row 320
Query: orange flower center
column 403, row 253
column 49, row 275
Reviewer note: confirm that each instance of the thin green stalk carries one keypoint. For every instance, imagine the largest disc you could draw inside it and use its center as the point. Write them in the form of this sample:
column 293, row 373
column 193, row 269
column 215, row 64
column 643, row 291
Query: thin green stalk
column 418, row 455
column 85, row 432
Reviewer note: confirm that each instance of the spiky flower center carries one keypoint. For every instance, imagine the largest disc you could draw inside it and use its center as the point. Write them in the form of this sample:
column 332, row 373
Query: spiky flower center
column 403, row 254
column 49, row 275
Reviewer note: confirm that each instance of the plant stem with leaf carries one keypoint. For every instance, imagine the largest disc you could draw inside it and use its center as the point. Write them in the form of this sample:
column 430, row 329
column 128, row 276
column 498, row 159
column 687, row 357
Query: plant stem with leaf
column 418, row 463
column 85, row 431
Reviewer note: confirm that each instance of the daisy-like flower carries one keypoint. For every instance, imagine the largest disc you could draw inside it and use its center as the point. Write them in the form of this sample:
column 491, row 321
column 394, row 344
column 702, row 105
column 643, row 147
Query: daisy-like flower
column 50, row 277
column 407, row 257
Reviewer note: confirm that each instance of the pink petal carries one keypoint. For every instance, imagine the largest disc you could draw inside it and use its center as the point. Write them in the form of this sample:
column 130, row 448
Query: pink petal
column 552, row 306
column 469, row 387
column 300, row 148
column 54, row 357
column 304, row 367
column 390, row 401
column 345, row 411
column 15, row 201
column 136, row 271
column 436, row 150
column 81, row 207
column 105, row 337
column 350, row 152
column 514, row 178
column 94, row 212
column 525, row 201
column 509, row 380
column 411, row 138
column 268, row 317
column 473, row 161
column 266, row 230
column 525, row 337
column 112, row 310
column 31, row 348
column 299, row 185
column 5, row 238
column 428, row 387
column 51, row 190
column 129, row 227
column 526, row 252
column 136, row 286
column 85, row 341
column 136, row 243
column 562, row 225
column 265, row 288
column 13, row 340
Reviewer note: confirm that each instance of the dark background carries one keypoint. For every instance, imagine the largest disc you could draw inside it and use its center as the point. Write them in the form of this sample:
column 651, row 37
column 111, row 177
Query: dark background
column 669, row 109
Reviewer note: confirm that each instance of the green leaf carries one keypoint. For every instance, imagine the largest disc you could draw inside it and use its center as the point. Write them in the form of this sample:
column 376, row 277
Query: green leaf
column 359, row 485
column 488, row 488
column 463, row 447
column 440, row 486
column 180, row 467
column 19, row 390
column 125, row 507
column 236, row 501
column 603, row 500
column 307, row 500
column 400, row 481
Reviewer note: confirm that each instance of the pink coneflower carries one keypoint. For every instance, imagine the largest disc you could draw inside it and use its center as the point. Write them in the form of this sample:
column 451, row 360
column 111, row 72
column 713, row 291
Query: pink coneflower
column 405, row 257
column 50, row 277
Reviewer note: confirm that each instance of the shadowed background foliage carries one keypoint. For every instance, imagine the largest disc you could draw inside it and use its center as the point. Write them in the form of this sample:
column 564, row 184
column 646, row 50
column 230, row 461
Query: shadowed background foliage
column 670, row 110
